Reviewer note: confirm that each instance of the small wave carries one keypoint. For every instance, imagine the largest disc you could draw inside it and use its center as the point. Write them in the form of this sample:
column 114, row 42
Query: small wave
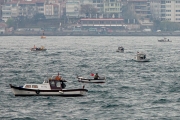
column 24, row 118
column 161, row 101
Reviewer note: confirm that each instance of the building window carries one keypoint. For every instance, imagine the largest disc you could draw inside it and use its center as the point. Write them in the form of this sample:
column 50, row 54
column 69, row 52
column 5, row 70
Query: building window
column 34, row 86
column 58, row 84
column 28, row 86
column 168, row 10
column 112, row 0
column 52, row 83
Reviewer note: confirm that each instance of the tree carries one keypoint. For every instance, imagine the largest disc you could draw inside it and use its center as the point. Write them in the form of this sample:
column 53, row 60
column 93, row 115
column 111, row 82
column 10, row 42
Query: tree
column 156, row 24
column 88, row 9
column 128, row 14
column 39, row 16
column 169, row 26
column 10, row 22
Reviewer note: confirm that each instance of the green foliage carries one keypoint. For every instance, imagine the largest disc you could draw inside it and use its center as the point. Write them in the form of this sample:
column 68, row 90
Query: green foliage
column 127, row 13
column 169, row 26
column 10, row 22
column 39, row 16
column 156, row 24
column 88, row 9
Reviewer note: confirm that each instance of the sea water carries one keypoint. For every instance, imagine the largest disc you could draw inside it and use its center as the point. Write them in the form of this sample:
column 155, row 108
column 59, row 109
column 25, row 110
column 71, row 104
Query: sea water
column 132, row 90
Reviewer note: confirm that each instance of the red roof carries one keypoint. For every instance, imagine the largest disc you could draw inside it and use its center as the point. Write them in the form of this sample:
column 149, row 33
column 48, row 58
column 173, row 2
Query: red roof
column 137, row 0
column 12, row 2
column 3, row 25
column 104, row 19
column 27, row 2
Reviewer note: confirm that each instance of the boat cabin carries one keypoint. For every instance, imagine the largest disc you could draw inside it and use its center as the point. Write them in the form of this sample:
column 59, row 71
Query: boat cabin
column 56, row 84
column 120, row 48
column 48, row 84
column 141, row 56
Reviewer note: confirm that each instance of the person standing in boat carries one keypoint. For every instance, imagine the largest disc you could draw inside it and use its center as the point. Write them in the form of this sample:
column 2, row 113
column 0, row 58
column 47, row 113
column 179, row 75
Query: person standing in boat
column 96, row 77
column 58, row 77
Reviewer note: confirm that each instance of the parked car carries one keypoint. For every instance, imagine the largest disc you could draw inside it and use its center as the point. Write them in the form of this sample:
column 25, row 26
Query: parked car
column 147, row 30
column 158, row 31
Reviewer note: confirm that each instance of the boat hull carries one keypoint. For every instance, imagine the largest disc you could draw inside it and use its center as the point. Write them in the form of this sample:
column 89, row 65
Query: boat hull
column 43, row 37
column 163, row 41
column 91, row 80
column 38, row 50
column 120, row 51
column 19, row 91
column 144, row 60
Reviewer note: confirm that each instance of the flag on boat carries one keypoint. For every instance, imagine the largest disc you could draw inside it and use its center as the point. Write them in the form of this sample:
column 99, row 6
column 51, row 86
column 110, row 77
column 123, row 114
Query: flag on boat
column 92, row 74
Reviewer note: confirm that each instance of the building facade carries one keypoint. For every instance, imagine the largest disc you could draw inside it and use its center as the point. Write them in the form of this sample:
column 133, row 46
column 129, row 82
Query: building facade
column 155, row 7
column 112, row 8
column 73, row 8
column 170, row 10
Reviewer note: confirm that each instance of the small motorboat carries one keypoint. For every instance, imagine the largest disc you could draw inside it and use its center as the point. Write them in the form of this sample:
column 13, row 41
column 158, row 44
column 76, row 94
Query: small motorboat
column 91, row 80
column 38, row 49
column 141, row 57
column 164, row 40
column 120, row 49
column 50, row 87
column 43, row 37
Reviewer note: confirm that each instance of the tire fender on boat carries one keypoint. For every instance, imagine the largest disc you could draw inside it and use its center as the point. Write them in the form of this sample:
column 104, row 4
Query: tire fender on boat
column 61, row 92
column 37, row 92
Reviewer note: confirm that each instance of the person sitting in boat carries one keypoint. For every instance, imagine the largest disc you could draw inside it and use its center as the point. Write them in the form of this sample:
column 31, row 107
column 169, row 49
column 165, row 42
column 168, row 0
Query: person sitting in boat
column 38, row 48
column 42, row 47
column 58, row 77
column 96, row 77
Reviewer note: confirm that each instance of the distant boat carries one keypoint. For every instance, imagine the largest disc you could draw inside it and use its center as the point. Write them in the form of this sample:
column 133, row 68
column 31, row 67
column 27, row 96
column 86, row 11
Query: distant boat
column 43, row 37
column 120, row 49
column 91, row 80
column 38, row 49
column 164, row 40
column 141, row 57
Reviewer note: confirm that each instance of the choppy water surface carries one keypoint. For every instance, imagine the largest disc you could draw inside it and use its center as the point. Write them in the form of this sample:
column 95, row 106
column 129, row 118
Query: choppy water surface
column 133, row 90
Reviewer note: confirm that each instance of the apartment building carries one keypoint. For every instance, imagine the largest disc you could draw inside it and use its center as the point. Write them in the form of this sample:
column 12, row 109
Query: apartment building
column 142, row 11
column 112, row 8
column 52, row 9
column 27, row 8
column 170, row 10
column 166, row 10
column 155, row 7
column 40, row 6
column 9, row 10
column 73, row 8
column 140, row 7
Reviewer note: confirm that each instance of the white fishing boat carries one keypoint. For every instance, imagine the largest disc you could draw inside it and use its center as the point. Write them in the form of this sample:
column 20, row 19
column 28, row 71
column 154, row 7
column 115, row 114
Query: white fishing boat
column 141, row 57
column 92, row 80
column 120, row 49
column 50, row 87
column 164, row 40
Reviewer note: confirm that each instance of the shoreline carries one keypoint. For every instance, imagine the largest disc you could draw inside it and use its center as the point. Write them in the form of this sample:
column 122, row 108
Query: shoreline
column 93, row 34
